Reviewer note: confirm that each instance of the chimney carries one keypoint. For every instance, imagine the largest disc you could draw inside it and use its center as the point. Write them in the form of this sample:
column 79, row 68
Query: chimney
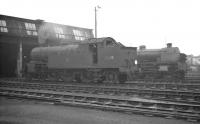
column 169, row 45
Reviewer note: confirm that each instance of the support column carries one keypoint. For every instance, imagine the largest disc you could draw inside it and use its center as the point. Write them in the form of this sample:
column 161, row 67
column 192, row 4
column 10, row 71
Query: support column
column 19, row 61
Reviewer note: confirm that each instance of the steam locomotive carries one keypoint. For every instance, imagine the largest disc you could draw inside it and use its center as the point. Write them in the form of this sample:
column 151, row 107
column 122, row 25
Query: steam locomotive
column 105, row 60
column 94, row 60
column 166, row 63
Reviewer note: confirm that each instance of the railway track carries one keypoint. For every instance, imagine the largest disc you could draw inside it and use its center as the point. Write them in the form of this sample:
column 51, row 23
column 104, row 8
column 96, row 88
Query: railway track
column 191, row 97
column 113, row 103
column 187, row 80
column 133, row 84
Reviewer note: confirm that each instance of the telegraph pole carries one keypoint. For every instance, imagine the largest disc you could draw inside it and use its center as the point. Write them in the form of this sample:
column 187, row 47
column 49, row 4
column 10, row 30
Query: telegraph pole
column 95, row 11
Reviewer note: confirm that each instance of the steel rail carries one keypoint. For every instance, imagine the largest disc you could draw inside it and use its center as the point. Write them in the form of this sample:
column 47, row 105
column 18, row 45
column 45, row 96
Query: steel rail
column 150, row 85
column 167, row 95
column 137, row 84
column 113, row 103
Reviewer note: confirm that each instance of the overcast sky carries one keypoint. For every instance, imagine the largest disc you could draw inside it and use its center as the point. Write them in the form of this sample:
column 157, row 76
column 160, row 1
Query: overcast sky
column 132, row 22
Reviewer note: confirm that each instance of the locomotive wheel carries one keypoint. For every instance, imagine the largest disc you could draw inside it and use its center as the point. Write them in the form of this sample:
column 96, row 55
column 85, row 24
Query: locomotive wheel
column 52, row 76
column 122, row 78
column 111, row 77
column 29, row 77
column 41, row 76
column 179, row 75
column 77, row 78
column 66, row 78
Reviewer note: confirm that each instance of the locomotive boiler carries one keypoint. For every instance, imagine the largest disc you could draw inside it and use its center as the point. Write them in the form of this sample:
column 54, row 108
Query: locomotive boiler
column 166, row 63
column 92, row 60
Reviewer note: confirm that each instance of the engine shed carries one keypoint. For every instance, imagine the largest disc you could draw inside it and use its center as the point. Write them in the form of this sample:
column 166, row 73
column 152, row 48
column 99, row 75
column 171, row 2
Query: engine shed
column 18, row 36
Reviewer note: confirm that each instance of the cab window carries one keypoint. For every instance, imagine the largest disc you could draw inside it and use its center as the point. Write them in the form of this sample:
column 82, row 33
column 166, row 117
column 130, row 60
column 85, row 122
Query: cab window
column 109, row 43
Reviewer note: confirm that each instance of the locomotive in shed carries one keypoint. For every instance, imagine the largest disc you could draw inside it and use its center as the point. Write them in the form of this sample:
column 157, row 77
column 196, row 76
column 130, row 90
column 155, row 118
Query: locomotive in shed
column 166, row 63
column 94, row 60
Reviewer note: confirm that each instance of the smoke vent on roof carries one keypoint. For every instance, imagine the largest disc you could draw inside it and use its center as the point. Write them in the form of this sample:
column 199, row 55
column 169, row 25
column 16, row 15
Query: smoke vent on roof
column 169, row 45
column 142, row 47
